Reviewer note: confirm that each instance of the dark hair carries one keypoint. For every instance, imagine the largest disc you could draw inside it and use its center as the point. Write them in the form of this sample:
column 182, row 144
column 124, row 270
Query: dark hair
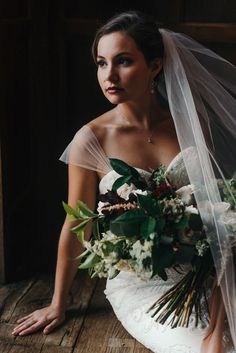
column 140, row 27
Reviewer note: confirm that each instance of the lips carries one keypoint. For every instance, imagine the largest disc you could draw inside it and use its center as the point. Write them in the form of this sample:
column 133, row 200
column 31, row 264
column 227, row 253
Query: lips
column 114, row 89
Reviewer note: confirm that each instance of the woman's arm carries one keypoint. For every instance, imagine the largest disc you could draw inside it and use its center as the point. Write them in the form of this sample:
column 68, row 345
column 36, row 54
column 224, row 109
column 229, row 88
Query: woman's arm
column 82, row 185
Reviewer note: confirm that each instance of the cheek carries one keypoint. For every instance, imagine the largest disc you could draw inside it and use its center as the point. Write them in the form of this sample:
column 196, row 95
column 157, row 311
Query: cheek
column 100, row 78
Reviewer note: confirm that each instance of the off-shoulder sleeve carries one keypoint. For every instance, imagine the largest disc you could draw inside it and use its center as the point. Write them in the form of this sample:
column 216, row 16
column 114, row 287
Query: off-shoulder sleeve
column 85, row 151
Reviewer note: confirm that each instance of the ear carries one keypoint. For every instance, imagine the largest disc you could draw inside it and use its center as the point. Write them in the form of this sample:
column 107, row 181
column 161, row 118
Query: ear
column 156, row 66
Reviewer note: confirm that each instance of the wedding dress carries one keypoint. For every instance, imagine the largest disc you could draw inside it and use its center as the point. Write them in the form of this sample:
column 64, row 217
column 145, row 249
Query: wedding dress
column 130, row 295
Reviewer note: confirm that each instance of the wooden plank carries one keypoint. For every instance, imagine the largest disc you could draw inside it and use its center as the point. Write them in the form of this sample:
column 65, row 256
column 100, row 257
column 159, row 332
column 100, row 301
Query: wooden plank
column 24, row 349
column 4, row 347
column 80, row 296
column 37, row 294
column 10, row 295
column 102, row 332
column 52, row 349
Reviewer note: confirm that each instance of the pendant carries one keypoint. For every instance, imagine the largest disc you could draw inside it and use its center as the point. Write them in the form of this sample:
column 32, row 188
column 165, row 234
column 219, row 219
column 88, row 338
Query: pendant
column 149, row 140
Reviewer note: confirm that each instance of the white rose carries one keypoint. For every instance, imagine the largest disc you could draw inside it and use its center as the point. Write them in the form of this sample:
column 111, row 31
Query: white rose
column 185, row 193
column 125, row 190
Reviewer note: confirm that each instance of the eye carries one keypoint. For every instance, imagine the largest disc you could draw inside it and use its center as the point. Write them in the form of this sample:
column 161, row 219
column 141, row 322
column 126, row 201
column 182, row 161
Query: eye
column 101, row 63
column 125, row 61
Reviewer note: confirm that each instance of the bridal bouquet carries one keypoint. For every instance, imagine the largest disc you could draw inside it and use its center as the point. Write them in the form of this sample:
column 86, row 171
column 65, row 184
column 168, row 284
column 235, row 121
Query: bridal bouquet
column 147, row 226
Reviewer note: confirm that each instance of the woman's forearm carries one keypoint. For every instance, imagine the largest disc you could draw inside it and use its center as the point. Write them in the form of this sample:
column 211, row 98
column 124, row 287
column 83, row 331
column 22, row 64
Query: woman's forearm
column 68, row 249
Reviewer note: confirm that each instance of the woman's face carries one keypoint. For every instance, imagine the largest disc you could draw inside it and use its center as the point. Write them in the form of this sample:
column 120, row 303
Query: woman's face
column 123, row 72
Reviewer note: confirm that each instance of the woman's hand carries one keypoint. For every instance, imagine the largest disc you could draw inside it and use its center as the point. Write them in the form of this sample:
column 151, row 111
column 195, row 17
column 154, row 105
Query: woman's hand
column 47, row 318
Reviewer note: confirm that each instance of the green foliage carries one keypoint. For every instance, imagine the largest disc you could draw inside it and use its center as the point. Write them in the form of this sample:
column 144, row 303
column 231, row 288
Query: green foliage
column 162, row 257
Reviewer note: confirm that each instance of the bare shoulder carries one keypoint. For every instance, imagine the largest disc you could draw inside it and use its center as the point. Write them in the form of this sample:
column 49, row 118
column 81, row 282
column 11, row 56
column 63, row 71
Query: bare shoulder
column 101, row 124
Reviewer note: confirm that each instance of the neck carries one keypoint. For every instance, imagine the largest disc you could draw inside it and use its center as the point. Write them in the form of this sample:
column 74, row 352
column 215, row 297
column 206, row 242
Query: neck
column 144, row 116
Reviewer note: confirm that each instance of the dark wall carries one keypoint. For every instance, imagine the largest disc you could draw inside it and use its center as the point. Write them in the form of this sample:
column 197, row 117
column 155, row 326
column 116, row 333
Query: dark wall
column 48, row 91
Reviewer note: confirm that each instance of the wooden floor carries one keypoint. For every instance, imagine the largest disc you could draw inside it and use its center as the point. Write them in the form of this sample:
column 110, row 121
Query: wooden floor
column 90, row 327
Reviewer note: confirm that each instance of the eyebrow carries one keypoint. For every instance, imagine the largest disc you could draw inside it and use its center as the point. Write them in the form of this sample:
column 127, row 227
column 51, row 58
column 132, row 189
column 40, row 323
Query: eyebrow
column 120, row 54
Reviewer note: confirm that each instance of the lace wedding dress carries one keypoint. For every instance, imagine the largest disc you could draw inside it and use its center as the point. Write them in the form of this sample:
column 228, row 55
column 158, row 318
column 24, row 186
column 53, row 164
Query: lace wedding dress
column 129, row 295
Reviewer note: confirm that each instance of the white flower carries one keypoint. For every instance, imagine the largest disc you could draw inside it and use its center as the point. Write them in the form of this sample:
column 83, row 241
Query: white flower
column 140, row 253
column 190, row 210
column 125, row 190
column 124, row 265
column 185, row 193
column 140, row 192
column 109, row 235
column 100, row 207
column 201, row 247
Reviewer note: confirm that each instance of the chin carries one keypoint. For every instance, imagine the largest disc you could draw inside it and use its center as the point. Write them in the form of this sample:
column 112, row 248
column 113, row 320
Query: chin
column 116, row 99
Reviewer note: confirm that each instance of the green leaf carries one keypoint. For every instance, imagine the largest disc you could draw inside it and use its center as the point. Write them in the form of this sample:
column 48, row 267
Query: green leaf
column 162, row 258
column 120, row 181
column 149, row 204
column 123, row 168
column 185, row 254
column 94, row 274
column 86, row 210
column 125, row 229
column 82, row 255
column 90, row 261
column 71, row 211
column 182, row 224
column 80, row 236
column 161, row 222
column 113, row 272
column 96, row 231
column 148, row 227
column 79, row 231
column 132, row 216
column 195, row 222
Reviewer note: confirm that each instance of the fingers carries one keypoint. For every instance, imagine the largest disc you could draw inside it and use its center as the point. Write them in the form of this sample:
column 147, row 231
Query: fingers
column 22, row 319
column 26, row 325
column 51, row 326
column 48, row 318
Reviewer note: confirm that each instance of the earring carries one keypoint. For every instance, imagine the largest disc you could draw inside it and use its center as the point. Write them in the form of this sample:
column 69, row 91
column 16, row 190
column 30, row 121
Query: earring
column 153, row 86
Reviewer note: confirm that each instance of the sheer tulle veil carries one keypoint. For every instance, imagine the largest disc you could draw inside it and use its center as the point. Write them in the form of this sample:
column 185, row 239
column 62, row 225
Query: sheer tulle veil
column 200, row 88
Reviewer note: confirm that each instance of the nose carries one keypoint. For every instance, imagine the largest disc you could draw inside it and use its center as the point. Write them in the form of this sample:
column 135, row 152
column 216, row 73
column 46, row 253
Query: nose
column 111, row 74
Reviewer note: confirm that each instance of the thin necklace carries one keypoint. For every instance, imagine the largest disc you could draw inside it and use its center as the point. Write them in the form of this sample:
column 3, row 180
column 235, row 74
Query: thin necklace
column 149, row 138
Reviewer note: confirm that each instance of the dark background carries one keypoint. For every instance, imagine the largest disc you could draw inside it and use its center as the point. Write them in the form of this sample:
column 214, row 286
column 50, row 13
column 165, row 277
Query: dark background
column 48, row 90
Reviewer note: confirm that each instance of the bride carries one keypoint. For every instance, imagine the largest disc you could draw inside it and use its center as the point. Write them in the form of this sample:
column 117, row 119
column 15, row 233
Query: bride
column 170, row 94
